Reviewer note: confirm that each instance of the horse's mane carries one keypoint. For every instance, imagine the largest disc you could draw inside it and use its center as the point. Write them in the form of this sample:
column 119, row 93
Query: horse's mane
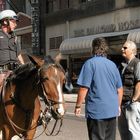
column 24, row 68
column 22, row 72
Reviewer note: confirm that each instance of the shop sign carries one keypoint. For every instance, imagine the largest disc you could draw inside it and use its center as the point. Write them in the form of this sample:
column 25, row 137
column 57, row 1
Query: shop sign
column 121, row 26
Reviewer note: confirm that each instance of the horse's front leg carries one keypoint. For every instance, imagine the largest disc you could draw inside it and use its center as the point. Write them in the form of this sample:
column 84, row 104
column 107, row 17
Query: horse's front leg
column 30, row 134
column 7, row 133
column 32, row 129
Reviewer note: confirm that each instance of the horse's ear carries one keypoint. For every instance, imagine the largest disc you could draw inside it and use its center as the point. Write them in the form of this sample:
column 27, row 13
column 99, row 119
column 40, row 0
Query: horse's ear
column 36, row 60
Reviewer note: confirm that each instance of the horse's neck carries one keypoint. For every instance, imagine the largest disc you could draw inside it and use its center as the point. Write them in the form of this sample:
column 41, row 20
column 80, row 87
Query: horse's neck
column 26, row 93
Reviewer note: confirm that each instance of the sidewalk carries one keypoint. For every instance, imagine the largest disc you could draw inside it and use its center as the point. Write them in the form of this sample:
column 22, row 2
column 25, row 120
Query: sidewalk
column 70, row 97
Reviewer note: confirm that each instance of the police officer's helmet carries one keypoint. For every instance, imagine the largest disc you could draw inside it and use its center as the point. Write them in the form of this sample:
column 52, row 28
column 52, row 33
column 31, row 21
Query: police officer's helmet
column 8, row 14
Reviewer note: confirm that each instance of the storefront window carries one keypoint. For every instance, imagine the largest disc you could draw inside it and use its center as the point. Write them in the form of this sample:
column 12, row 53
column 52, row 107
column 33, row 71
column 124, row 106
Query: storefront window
column 55, row 42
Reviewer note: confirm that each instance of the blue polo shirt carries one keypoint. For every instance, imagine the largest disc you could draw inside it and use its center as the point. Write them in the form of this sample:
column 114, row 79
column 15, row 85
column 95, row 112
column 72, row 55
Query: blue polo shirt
column 102, row 78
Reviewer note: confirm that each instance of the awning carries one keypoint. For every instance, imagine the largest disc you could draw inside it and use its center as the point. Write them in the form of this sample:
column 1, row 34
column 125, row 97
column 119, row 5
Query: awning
column 134, row 36
column 76, row 45
column 83, row 44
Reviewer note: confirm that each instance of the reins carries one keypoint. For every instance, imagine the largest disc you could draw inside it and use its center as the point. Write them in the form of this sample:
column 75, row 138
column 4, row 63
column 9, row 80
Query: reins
column 13, row 125
column 46, row 121
column 52, row 131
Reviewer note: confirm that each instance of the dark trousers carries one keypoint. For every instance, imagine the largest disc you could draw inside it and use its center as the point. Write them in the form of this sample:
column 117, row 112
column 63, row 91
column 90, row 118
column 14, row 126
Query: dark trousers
column 101, row 129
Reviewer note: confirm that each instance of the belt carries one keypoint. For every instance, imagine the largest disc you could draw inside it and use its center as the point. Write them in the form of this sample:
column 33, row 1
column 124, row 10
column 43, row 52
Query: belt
column 125, row 101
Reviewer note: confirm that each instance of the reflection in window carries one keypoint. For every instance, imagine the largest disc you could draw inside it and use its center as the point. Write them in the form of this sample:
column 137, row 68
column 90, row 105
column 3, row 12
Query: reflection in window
column 49, row 6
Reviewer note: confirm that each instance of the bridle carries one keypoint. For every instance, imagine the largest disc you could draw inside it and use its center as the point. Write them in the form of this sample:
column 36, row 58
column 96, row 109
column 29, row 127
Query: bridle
column 48, row 114
column 48, row 101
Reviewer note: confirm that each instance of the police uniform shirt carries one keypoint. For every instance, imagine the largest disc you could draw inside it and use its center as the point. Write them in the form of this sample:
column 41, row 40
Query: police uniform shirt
column 8, row 48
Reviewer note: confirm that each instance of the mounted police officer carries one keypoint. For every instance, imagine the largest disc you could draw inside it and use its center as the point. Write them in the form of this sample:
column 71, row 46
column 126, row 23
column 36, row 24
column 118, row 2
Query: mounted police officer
column 129, row 121
column 9, row 50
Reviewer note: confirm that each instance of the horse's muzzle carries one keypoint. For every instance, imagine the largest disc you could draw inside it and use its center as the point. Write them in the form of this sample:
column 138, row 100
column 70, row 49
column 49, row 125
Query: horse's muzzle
column 56, row 115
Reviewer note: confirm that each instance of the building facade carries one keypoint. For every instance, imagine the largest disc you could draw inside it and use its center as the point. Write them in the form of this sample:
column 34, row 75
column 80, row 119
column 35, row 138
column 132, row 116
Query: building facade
column 72, row 25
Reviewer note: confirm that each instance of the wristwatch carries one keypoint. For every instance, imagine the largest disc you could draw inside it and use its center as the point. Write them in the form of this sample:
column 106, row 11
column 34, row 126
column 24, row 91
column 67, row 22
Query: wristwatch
column 77, row 106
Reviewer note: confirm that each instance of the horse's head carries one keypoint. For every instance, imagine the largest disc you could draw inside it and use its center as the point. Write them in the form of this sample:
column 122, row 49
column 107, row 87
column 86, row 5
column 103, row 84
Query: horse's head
column 52, row 78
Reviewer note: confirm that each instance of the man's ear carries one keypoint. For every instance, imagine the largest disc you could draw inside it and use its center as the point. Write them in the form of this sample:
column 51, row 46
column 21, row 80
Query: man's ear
column 5, row 22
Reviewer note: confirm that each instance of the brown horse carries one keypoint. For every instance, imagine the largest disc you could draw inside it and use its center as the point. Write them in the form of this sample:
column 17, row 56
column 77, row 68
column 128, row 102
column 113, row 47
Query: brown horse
column 19, row 104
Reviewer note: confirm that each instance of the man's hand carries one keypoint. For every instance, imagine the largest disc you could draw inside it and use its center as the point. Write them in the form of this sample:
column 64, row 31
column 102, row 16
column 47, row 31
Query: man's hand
column 77, row 111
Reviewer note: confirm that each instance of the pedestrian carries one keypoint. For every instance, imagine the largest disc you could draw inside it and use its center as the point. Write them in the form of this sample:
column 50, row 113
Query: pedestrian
column 101, row 87
column 68, row 84
column 9, row 50
column 129, row 121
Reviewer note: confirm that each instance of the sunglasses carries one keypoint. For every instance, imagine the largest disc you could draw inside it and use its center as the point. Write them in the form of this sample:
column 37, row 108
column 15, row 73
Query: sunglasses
column 124, row 48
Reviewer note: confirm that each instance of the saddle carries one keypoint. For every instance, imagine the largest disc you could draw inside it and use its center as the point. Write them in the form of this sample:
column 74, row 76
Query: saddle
column 22, row 72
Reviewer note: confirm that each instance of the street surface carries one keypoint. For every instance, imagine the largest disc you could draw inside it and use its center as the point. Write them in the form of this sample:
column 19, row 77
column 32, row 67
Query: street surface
column 73, row 128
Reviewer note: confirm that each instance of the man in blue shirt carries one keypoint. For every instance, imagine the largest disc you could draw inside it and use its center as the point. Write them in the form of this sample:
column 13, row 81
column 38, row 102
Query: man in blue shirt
column 100, row 83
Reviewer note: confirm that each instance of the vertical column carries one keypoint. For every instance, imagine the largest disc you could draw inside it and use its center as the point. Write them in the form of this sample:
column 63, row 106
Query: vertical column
column 2, row 5
column 35, row 25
